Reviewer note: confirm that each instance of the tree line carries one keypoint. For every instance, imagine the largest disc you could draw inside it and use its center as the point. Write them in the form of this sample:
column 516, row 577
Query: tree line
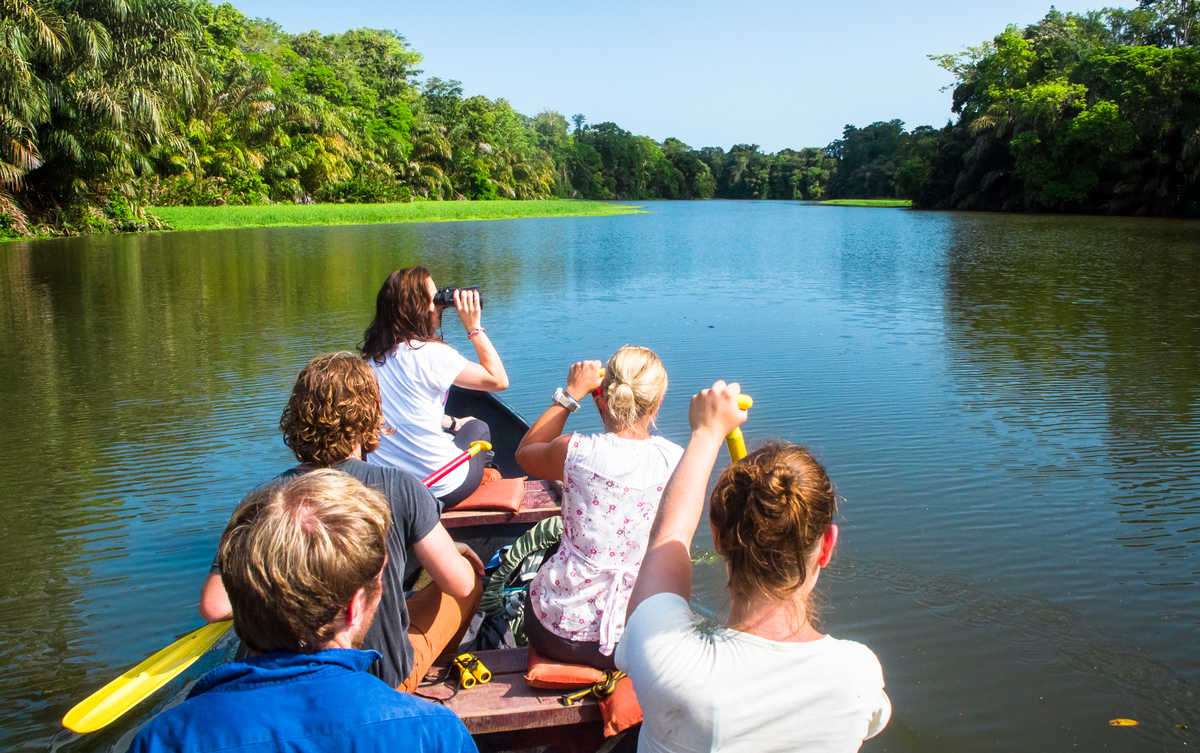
column 110, row 106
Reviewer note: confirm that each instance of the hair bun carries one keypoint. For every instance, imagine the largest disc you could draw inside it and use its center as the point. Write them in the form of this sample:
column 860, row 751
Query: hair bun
column 768, row 512
column 622, row 403
column 634, row 384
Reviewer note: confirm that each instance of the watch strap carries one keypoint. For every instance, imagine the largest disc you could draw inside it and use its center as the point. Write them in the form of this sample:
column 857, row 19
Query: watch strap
column 562, row 398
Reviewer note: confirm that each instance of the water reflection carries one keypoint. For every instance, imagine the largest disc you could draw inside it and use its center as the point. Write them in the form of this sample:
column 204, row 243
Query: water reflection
column 1085, row 334
column 1008, row 404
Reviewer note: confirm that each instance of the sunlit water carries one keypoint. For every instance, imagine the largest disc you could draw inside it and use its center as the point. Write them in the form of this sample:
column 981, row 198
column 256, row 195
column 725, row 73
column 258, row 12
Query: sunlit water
column 1010, row 406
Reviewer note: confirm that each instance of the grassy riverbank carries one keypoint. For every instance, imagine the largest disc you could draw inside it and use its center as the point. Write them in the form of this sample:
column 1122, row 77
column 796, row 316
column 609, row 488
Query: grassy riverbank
column 284, row 215
column 868, row 202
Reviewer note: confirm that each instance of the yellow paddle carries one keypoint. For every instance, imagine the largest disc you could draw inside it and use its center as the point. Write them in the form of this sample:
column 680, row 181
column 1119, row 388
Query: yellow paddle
column 137, row 683
column 114, row 699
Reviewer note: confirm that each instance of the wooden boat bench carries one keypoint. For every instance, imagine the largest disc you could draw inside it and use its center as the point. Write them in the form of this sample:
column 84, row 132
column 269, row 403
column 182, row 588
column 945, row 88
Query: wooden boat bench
column 507, row 714
column 542, row 500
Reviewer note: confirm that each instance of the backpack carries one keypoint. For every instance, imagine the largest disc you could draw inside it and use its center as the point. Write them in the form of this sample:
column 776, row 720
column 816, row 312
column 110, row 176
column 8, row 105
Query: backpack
column 504, row 595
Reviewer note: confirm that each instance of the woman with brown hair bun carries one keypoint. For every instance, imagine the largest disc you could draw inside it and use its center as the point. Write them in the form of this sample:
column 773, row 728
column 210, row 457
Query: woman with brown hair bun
column 612, row 484
column 767, row 679
column 415, row 369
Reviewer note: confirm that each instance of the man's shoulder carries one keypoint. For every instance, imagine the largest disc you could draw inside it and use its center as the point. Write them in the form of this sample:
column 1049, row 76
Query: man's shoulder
column 236, row 717
column 409, row 499
column 388, row 703
column 394, row 720
column 387, row 479
column 290, row 473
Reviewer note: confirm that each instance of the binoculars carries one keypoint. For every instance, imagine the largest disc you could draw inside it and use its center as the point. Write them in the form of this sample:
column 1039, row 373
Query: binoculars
column 471, row 671
column 444, row 298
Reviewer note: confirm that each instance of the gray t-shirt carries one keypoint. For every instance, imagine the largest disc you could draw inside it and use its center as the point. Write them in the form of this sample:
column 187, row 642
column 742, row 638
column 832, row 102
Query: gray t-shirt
column 415, row 511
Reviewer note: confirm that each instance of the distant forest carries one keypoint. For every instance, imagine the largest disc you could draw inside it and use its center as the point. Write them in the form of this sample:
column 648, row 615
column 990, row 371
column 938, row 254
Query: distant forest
column 110, row 106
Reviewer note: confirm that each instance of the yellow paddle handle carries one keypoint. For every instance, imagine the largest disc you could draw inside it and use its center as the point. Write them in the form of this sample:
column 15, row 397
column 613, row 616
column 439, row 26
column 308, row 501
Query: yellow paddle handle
column 735, row 441
column 477, row 446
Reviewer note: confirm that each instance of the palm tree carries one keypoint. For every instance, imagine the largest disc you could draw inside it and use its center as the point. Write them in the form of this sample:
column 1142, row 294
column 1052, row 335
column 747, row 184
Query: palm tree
column 115, row 97
column 32, row 34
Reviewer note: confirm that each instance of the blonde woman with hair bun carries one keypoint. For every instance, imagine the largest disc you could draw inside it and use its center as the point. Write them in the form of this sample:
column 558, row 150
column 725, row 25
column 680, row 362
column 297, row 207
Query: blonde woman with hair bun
column 612, row 483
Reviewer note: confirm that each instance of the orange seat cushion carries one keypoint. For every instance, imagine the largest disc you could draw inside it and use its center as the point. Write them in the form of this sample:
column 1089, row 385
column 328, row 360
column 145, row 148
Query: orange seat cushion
column 621, row 710
column 503, row 494
column 544, row 673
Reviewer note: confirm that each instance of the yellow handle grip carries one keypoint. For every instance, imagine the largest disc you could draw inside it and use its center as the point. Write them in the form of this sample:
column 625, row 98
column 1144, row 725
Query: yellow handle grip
column 477, row 446
column 735, row 441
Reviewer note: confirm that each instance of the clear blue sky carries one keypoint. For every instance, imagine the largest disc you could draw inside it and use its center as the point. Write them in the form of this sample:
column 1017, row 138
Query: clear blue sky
column 777, row 74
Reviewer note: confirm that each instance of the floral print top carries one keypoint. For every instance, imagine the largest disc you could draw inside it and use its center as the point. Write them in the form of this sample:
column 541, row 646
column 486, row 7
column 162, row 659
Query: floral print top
column 611, row 490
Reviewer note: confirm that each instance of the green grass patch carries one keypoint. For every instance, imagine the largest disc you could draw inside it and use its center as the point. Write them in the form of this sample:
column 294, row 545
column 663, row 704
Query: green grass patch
column 285, row 215
column 868, row 202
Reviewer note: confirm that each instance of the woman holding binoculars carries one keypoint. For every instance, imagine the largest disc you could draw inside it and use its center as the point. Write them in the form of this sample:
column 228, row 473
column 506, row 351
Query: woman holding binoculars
column 612, row 483
column 415, row 369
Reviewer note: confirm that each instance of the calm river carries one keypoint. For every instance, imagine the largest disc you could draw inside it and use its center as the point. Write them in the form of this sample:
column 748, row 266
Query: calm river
column 1010, row 406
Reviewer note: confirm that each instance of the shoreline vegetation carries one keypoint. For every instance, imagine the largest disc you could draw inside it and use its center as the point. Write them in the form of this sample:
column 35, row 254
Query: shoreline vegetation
column 106, row 110
column 907, row 203
column 300, row 215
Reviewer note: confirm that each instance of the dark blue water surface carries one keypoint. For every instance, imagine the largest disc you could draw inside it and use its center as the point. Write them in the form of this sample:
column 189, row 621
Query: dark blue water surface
column 1010, row 406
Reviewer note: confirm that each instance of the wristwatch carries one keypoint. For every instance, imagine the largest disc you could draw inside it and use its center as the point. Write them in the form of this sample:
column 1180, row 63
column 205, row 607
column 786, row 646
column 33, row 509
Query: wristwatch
column 562, row 398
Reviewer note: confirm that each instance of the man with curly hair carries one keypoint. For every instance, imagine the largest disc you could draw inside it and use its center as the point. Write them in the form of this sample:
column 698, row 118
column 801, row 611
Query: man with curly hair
column 332, row 420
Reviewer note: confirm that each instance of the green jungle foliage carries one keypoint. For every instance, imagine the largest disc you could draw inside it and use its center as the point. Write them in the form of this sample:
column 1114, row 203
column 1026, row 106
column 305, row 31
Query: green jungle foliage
column 110, row 106
column 1078, row 113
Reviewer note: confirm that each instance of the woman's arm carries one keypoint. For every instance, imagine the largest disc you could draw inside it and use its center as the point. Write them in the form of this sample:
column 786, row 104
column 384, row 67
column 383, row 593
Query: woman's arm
column 455, row 568
column 214, row 602
column 489, row 374
column 543, row 450
column 667, row 566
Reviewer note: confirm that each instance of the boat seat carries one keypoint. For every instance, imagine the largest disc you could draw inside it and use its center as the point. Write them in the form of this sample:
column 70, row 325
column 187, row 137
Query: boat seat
column 541, row 501
column 507, row 706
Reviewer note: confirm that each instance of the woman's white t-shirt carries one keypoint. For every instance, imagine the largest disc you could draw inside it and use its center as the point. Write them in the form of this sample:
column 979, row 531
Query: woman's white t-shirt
column 414, row 382
column 706, row 687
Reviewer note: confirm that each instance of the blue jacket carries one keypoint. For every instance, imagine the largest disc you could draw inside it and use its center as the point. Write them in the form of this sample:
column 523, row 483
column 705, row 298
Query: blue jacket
column 302, row 702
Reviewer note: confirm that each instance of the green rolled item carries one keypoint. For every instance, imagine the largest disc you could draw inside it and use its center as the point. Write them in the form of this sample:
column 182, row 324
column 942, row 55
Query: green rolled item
column 516, row 570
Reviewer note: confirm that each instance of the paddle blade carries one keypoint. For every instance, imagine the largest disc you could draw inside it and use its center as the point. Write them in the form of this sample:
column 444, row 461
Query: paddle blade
column 111, row 701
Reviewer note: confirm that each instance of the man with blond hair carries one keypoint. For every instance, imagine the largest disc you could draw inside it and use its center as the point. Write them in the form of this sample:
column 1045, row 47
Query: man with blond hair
column 302, row 563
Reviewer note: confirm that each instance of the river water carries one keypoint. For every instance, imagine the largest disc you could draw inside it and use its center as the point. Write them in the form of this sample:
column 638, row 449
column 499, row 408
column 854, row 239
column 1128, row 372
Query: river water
column 1010, row 406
